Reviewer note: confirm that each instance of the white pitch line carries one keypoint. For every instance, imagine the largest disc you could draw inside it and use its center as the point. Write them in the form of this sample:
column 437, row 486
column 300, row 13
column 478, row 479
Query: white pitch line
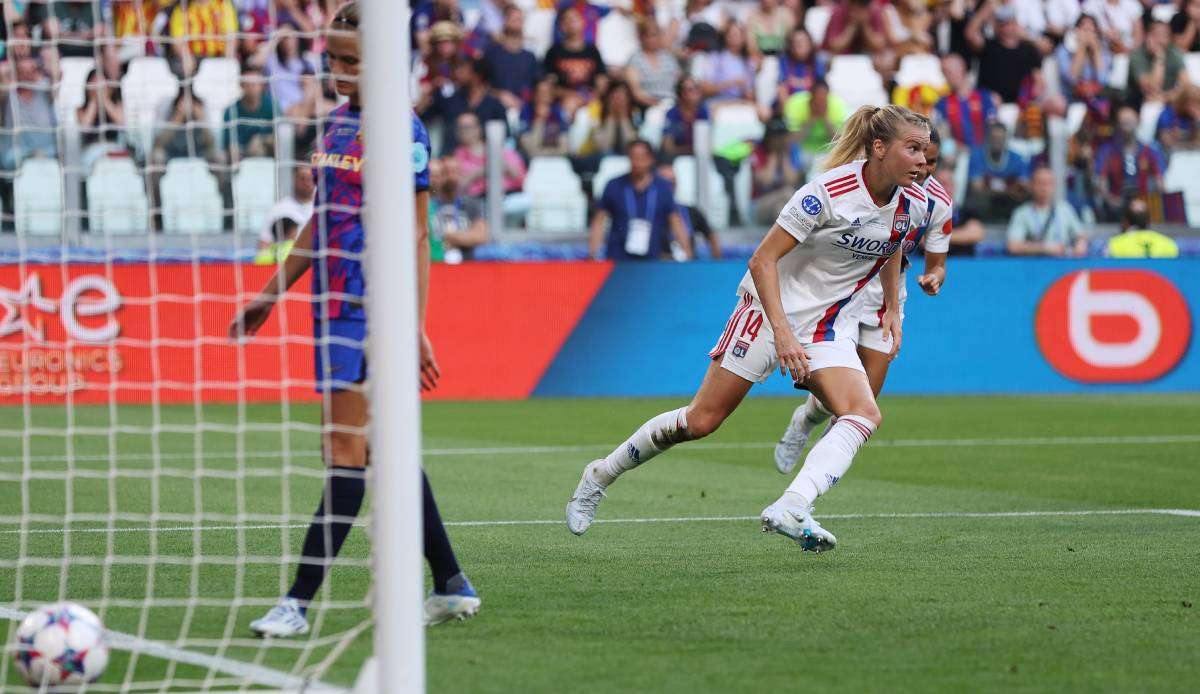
column 683, row 519
column 236, row 668
column 1147, row 440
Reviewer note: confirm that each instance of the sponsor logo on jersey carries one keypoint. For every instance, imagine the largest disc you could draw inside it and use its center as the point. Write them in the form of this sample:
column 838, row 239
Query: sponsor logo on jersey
column 856, row 223
column 330, row 160
column 740, row 349
column 865, row 245
column 900, row 224
column 811, row 205
column 1113, row 326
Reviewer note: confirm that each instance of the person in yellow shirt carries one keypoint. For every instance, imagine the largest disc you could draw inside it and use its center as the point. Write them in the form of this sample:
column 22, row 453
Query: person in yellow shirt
column 1136, row 240
column 201, row 29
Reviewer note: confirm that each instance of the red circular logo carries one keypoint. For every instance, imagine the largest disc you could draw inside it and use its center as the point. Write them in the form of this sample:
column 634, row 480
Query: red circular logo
column 1113, row 326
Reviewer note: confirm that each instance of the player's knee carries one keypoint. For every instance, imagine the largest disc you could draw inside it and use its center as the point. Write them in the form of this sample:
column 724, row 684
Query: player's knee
column 701, row 422
column 870, row 412
column 347, row 450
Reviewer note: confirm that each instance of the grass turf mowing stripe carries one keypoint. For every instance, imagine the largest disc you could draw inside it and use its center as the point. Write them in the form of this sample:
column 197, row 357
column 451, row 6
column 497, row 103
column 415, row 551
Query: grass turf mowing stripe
column 249, row 672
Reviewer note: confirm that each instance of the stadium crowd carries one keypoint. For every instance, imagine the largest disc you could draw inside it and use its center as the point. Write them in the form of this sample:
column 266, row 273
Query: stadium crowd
column 990, row 73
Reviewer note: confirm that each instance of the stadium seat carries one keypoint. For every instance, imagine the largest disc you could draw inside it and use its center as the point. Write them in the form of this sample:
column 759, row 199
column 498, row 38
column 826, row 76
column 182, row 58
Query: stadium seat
column 254, row 193
column 539, row 31
column 610, row 167
column 766, row 81
column 736, row 122
column 559, row 205
column 1191, row 62
column 1118, row 76
column 816, row 20
column 853, row 78
column 1076, row 112
column 147, row 90
column 616, row 39
column 1183, row 174
column 1008, row 114
column 191, row 201
column 1148, row 120
column 217, row 85
column 1163, row 12
column 117, row 198
column 72, row 88
column 715, row 204
column 38, row 198
column 918, row 69
column 654, row 122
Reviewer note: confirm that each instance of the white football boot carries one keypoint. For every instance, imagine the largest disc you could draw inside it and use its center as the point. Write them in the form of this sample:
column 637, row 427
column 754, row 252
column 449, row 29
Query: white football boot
column 796, row 522
column 581, row 509
column 461, row 604
column 790, row 448
column 284, row 620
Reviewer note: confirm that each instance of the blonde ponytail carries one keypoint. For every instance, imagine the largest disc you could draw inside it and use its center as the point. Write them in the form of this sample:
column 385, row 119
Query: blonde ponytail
column 867, row 124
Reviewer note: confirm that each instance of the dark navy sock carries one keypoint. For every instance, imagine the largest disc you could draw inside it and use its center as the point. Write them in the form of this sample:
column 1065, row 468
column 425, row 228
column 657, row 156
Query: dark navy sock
column 343, row 497
column 438, row 551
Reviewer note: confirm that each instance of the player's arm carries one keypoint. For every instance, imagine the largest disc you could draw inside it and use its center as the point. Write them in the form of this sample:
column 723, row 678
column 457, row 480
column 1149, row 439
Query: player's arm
column 764, row 270
column 596, row 234
column 254, row 314
column 935, row 273
column 937, row 245
column 430, row 372
column 889, row 276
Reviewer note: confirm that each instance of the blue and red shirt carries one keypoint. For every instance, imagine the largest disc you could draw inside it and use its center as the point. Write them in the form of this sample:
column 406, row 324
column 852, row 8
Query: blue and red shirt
column 338, row 284
column 968, row 118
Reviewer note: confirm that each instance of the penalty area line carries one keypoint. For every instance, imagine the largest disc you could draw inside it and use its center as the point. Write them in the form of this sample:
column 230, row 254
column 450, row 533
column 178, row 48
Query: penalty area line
column 256, row 674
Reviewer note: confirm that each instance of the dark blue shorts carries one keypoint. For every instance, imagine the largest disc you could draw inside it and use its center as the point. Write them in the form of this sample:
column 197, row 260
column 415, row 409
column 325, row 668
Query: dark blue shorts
column 341, row 361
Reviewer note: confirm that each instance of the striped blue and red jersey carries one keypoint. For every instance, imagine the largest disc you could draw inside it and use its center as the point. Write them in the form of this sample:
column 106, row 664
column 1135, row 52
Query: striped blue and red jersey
column 338, row 284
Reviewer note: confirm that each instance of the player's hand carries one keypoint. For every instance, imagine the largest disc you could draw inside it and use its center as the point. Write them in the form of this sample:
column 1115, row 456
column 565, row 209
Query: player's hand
column 792, row 358
column 930, row 284
column 251, row 318
column 430, row 373
column 892, row 332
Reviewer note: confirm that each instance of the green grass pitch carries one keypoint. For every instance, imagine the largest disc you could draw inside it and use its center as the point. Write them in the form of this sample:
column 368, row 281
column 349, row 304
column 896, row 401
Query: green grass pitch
column 952, row 603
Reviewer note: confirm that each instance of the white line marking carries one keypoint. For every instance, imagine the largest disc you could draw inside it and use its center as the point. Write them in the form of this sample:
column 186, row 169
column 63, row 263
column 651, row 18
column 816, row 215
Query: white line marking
column 1191, row 513
column 251, row 673
column 1148, row 440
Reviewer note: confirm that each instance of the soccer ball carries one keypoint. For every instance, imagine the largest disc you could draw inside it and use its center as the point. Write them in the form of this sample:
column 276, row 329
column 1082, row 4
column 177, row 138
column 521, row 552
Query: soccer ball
column 61, row 644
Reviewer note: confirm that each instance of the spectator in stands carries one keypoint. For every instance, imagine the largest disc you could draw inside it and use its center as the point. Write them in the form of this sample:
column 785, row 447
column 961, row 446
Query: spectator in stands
column 1185, row 26
column 20, row 45
column 287, row 218
column 426, row 14
column 641, row 206
column 470, row 95
column 27, row 121
column 1156, row 68
column 1119, row 21
column 814, row 116
column 589, row 13
column 679, row 132
column 287, row 68
column 909, row 23
column 729, row 75
column 439, row 64
column 101, row 119
column 653, row 70
column 1006, row 59
column 73, row 26
column 1045, row 226
column 778, row 172
column 1084, row 70
column 1179, row 123
column 1136, row 239
column 693, row 218
column 1061, row 15
column 471, row 159
column 966, row 111
column 1125, row 167
column 614, row 126
column 513, row 69
column 185, row 135
column 800, row 66
column 250, row 122
column 999, row 177
column 769, row 25
column 575, row 62
column 457, row 223
column 702, row 21
column 857, row 26
column 544, row 124
column 201, row 29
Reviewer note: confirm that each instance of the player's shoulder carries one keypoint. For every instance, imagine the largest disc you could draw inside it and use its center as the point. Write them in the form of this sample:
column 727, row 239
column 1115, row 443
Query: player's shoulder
column 839, row 180
column 938, row 192
column 915, row 194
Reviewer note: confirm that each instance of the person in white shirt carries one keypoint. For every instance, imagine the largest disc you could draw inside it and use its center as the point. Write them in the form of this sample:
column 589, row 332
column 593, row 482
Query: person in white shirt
column 835, row 234
column 1120, row 22
column 873, row 347
column 287, row 218
column 1045, row 226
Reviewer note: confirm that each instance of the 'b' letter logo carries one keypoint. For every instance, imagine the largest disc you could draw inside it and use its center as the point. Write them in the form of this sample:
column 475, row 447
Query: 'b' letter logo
column 1113, row 326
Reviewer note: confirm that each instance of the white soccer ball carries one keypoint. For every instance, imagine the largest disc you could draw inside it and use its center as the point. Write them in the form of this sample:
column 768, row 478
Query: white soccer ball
column 61, row 644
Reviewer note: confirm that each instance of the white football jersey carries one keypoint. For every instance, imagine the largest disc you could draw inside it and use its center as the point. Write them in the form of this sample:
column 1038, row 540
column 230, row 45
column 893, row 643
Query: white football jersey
column 936, row 228
column 845, row 239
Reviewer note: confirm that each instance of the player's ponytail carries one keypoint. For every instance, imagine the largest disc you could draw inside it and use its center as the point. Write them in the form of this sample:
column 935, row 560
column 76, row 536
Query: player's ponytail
column 867, row 124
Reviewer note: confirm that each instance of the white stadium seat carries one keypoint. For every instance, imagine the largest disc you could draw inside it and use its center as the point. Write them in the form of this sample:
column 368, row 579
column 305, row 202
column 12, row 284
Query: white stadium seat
column 217, row 85
column 147, row 90
column 117, row 198
column 1148, row 120
column 1191, row 62
column 38, row 198
column 559, row 205
column 654, row 122
column 191, row 201
column 766, row 82
column 1183, row 174
column 854, row 78
column 616, row 39
column 1008, row 115
column 611, row 167
column 715, row 204
column 735, row 122
column 539, row 31
column 1076, row 112
column 816, row 20
column 917, row 69
column 72, row 88
column 1118, row 75
column 253, row 193
column 1163, row 12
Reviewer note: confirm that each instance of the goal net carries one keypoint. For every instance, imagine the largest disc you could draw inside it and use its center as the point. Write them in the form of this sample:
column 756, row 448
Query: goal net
column 153, row 165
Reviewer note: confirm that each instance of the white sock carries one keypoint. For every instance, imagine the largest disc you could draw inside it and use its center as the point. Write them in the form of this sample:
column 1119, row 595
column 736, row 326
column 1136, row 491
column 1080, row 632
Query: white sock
column 829, row 460
column 810, row 414
column 655, row 436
